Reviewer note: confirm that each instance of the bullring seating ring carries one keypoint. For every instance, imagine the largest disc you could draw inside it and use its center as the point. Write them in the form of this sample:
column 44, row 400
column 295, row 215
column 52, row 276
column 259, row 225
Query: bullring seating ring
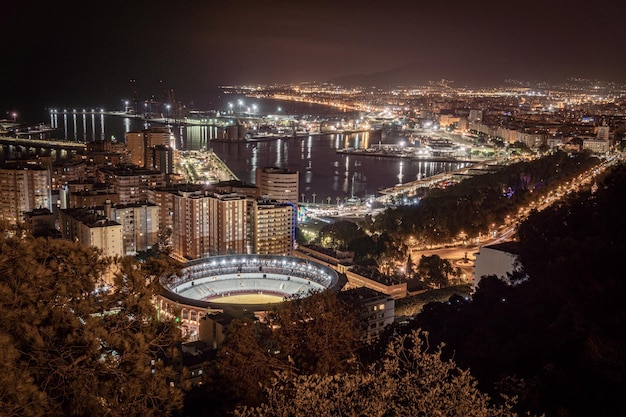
column 247, row 280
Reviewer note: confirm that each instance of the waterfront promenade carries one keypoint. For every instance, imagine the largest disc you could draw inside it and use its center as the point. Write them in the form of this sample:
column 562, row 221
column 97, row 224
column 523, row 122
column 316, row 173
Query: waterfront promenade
column 412, row 187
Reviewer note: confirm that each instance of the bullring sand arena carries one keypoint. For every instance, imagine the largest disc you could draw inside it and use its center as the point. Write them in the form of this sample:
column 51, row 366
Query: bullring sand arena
column 247, row 280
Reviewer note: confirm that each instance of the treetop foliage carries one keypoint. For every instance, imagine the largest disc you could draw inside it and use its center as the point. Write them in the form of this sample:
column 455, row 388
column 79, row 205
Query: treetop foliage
column 477, row 202
column 557, row 339
column 407, row 381
column 70, row 347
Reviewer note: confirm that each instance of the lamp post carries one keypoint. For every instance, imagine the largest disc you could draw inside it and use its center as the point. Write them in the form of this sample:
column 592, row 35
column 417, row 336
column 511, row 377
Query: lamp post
column 167, row 112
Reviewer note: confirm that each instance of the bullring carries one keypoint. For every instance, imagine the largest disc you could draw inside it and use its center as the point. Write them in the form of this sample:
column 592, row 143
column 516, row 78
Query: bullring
column 244, row 281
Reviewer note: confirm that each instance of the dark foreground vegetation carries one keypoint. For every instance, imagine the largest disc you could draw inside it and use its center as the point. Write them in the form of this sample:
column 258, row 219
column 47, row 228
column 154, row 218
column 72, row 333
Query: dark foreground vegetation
column 68, row 348
column 557, row 340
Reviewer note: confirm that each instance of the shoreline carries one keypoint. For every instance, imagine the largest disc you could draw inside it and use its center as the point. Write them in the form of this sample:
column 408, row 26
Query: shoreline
column 411, row 157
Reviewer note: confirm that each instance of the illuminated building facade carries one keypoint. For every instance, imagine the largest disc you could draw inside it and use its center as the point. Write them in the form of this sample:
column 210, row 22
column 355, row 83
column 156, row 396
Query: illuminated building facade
column 206, row 224
column 131, row 183
column 141, row 145
column 91, row 228
column 272, row 227
column 278, row 184
column 140, row 224
column 23, row 188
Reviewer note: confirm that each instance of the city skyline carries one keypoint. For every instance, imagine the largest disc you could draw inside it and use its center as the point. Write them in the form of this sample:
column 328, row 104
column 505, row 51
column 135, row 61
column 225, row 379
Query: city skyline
column 72, row 54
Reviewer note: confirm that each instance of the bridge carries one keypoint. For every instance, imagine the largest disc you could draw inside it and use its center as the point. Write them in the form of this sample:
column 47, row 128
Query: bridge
column 22, row 147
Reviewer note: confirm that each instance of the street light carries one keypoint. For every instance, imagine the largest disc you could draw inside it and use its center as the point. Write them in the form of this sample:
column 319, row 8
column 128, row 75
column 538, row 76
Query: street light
column 167, row 112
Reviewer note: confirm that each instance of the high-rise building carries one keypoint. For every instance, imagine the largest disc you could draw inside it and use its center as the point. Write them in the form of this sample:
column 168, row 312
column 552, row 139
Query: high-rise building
column 278, row 184
column 86, row 193
column 140, row 224
column 141, row 145
column 190, row 226
column 162, row 159
column 236, row 186
column 106, row 153
column 227, row 216
column 603, row 132
column 271, row 229
column 164, row 198
column 206, row 224
column 40, row 222
column 66, row 171
column 23, row 188
column 91, row 228
column 131, row 183
column 136, row 147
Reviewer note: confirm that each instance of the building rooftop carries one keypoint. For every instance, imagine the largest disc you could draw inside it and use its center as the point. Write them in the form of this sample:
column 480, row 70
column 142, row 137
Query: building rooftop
column 509, row 247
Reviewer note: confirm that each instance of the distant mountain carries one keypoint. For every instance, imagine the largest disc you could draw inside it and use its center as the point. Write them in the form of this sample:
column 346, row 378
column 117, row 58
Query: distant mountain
column 421, row 73
column 383, row 79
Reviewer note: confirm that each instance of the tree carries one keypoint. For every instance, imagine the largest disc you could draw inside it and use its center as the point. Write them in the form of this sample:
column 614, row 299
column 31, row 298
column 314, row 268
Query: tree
column 314, row 334
column 244, row 362
column 408, row 381
column 317, row 334
column 436, row 271
column 75, row 348
column 559, row 333
column 340, row 234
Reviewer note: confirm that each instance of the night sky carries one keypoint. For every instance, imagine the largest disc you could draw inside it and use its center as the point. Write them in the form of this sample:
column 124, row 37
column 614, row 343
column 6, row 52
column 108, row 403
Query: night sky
column 68, row 53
